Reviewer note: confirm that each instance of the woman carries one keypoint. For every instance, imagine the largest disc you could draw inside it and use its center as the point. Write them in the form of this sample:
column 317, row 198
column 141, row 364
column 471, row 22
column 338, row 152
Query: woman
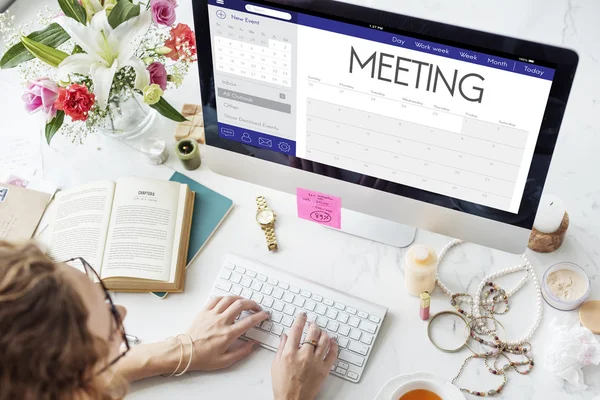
column 62, row 338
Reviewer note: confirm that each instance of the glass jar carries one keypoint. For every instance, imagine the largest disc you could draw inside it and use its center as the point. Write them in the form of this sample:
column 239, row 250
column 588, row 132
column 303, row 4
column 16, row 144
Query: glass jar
column 127, row 116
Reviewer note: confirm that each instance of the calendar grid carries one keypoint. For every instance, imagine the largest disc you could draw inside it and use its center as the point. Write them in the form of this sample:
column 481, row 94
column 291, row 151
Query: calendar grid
column 404, row 155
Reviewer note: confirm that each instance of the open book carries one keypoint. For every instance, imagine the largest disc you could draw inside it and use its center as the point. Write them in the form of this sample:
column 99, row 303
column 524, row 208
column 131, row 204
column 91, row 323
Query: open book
column 134, row 232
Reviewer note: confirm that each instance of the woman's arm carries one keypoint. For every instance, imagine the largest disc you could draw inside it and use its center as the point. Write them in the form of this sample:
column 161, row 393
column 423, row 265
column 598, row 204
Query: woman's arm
column 146, row 360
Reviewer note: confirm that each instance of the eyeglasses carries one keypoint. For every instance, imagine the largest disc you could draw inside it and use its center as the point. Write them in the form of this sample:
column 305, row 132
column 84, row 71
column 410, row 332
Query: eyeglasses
column 82, row 265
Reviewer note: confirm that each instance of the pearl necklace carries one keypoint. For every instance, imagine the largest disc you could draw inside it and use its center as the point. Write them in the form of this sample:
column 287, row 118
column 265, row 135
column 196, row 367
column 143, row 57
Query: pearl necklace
column 476, row 302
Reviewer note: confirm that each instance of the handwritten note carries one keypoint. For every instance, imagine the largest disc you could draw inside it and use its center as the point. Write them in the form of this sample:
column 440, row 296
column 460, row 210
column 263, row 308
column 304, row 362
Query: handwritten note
column 319, row 207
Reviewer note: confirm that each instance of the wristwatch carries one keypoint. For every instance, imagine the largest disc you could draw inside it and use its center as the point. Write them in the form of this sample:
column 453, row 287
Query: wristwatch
column 266, row 219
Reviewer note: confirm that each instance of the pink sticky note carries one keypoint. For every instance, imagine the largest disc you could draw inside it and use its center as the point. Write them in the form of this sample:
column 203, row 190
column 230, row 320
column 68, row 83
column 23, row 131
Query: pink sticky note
column 319, row 207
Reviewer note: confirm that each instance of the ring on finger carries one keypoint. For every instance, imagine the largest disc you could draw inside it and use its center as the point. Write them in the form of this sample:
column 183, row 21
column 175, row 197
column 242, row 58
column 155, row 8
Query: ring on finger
column 313, row 343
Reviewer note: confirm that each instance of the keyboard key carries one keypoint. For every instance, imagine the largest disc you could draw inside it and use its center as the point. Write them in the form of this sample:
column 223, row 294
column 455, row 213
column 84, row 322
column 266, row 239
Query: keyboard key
column 222, row 285
column 229, row 265
column 295, row 290
column 267, row 302
column 311, row 317
column 333, row 326
column 287, row 321
column 277, row 293
column 344, row 330
column 272, row 281
column 236, row 290
column 305, row 293
column 236, row 278
column 341, row 371
column 343, row 318
column 310, row 305
column 368, row 327
column 363, row 314
column 262, row 278
column 343, row 342
column 332, row 313
column 316, row 297
column 366, row 338
column 263, row 337
column 284, row 285
column 246, row 293
column 351, row 310
column 244, row 314
column 266, row 325
column 289, row 309
column 288, row 297
column 321, row 309
column 277, row 330
column 299, row 301
column 267, row 290
column 340, row 306
column 278, row 306
column 226, row 274
column 251, row 274
column 343, row 365
column 358, row 348
column 354, row 322
column 256, row 285
column 246, row 282
column 352, row 375
column 257, row 297
column 239, row 269
column 352, row 358
column 328, row 302
column 276, row 317
column 374, row 319
column 322, row 322
column 355, row 334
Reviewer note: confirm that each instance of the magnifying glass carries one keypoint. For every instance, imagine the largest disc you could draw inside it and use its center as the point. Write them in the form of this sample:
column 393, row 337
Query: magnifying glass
column 448, row 331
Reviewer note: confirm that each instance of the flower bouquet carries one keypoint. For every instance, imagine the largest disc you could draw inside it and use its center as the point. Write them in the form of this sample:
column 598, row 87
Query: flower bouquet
column 98, row 58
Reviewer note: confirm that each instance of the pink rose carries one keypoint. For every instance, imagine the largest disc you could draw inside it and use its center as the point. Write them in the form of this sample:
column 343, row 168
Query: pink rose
column 41, row 94
column 163, row 11
column 158, row 74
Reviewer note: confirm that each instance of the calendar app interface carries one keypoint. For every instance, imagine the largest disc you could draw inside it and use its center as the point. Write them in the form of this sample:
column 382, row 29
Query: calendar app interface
column 446, row 120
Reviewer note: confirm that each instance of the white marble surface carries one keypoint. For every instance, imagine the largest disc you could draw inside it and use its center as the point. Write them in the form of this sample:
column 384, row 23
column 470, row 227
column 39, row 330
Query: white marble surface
column 366, row 269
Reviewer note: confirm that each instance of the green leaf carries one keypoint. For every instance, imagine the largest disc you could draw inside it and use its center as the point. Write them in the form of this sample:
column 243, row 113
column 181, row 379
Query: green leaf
column 45, row 53
column 123, row 11
column 53, row 126
column 167, row 110
column 77, row 50
column 54, row 35
column 73, row 9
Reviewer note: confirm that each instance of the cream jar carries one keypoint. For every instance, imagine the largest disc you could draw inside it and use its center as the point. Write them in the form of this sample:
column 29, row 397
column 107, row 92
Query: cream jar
column 420, row 269
column 565, row 286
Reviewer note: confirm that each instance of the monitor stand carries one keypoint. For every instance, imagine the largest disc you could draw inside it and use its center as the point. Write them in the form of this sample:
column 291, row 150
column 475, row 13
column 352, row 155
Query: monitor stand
column 377, row 229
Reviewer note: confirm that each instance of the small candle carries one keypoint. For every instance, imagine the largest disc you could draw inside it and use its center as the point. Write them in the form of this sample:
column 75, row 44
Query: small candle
column 189, row 153
column 550, row 214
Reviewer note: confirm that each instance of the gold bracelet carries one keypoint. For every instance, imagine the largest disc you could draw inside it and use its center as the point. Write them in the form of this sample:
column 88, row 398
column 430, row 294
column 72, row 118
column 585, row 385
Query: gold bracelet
column 180, row 356
column 191, row 353
column 433, row 341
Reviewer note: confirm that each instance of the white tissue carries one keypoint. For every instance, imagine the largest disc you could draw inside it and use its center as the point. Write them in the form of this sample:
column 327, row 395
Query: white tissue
column 569, row 349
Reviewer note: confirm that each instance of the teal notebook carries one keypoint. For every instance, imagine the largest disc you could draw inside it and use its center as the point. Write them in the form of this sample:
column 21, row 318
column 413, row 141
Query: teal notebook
column 210, row 210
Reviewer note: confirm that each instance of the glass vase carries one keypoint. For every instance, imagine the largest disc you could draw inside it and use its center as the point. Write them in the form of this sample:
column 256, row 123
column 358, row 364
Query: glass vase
column 127, row 116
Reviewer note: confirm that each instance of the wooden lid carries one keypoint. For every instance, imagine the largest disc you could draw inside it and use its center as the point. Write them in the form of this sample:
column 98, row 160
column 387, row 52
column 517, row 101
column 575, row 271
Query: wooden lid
column 589, row 315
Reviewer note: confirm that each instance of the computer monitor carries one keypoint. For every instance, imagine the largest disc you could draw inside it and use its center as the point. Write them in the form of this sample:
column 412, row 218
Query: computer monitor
column 409, row 121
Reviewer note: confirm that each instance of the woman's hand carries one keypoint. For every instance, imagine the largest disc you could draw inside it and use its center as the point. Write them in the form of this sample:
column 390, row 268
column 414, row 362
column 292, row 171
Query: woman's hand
column 298, row 372
column 214, row 332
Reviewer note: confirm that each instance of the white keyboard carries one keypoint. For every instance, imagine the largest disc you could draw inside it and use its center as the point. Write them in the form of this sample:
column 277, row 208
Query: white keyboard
column 355, row 322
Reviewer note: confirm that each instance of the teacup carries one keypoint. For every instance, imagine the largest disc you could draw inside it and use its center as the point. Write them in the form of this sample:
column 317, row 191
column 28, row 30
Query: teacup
column 440, row 390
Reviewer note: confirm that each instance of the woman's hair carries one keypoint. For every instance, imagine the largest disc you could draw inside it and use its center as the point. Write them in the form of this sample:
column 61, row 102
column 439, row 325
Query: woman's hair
column 46, row 349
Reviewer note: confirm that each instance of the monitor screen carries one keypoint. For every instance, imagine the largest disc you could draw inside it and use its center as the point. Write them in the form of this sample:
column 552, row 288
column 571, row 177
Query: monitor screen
column 443, row 122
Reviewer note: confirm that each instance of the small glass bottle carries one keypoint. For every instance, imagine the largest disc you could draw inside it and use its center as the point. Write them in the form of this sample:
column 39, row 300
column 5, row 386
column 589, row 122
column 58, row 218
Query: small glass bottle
column 420, row 269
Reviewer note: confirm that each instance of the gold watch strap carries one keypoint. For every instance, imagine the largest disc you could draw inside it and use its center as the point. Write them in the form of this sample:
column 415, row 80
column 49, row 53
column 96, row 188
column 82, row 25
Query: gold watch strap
column 269, row 231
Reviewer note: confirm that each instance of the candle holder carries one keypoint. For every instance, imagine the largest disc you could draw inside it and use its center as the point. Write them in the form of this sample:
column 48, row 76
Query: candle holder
column 188, row 152
column 548, row 242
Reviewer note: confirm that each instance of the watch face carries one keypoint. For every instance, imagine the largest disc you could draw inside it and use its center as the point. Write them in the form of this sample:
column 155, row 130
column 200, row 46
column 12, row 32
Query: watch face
column 265, row 217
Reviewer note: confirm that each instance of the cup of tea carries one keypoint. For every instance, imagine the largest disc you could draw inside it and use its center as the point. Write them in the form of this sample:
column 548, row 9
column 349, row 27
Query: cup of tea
column 423, row 389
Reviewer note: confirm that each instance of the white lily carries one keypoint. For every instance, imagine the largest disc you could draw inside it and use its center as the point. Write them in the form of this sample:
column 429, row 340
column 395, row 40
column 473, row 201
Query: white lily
column 107, row 50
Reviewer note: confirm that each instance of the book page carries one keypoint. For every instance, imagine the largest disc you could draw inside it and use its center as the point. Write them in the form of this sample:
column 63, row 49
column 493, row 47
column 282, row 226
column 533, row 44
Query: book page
column 142, row 229
column 80, row 223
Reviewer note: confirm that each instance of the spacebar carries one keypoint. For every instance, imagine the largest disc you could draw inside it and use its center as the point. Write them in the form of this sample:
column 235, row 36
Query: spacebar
column 263, row 337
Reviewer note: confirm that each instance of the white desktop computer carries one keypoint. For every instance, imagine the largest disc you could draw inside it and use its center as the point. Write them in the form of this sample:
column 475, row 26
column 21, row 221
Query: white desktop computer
column 413, row 123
